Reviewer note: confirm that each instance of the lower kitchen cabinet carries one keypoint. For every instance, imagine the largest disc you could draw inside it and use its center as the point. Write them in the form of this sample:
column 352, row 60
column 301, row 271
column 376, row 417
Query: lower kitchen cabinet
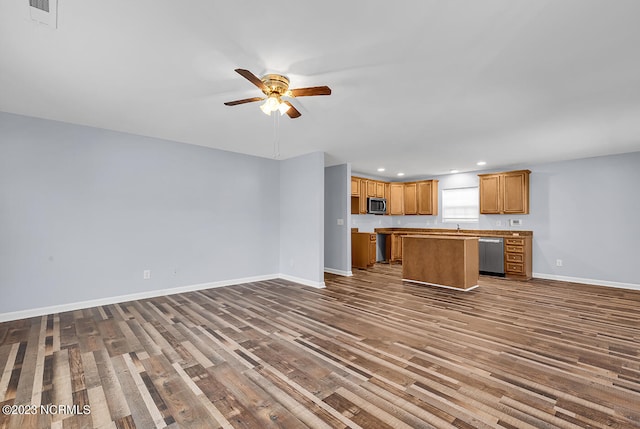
column 394, row 245
column 517, row 257
column 363, row 249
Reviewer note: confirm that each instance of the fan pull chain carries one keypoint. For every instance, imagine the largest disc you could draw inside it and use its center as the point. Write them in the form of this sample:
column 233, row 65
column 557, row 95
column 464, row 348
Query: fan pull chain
column 276, row 136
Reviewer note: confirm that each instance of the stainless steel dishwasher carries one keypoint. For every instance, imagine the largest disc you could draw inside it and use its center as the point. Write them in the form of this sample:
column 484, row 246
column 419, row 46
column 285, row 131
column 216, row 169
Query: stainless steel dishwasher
column 491, row 250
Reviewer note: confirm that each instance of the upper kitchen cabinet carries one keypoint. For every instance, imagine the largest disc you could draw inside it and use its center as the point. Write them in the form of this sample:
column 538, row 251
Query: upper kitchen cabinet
column 371, row 188
column 364, row 194
column 505, row 193
column 410, row 198
column 355, row 186
column 421, row 198
column 387, row 196
column 362, row 189
column 396, row 199
column 358, row 195
column 427, row 197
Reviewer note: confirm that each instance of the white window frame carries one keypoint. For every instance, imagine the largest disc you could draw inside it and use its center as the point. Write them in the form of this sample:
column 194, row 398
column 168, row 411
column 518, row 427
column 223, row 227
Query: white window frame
column 467, row 211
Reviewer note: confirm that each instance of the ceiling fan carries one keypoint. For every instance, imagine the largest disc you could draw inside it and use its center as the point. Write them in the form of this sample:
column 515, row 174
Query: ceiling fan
column 274, row 87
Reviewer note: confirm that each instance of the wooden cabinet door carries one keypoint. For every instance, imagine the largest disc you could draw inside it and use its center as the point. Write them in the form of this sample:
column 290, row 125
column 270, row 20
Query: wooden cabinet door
column 371, row 188
column 387, row 195
column 380, row 189
column 355, row 186
column 428, row 197
column 396, row 247
column 410, row 199
column 515, row 198
column 490, row 198
column 363, row 196
column 396, row 199
column 372, row 252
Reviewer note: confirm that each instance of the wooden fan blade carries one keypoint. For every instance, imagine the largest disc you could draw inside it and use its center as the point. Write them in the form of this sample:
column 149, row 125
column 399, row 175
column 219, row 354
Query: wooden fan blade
column 246, row 100
column 314, row 90
column 292, row 112
column 252, row 78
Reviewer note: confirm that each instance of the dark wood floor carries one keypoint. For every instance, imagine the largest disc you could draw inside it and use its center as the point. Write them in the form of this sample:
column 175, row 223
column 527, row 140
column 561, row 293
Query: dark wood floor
column 366, row 352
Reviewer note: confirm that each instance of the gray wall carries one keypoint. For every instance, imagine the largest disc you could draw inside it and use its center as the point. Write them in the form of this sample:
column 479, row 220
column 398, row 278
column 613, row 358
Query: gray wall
column 84, row 211
column 583, row 212
column 302, row 218
column 337, row 241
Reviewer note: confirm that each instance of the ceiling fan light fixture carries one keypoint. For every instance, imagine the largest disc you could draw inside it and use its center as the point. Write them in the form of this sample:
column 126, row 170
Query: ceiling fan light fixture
column 271, row 105
column 276, row 86
column 283, row 108
column 265, row 109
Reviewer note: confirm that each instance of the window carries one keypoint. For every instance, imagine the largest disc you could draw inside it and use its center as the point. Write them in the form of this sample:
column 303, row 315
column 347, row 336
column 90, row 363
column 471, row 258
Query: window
column 460, row 205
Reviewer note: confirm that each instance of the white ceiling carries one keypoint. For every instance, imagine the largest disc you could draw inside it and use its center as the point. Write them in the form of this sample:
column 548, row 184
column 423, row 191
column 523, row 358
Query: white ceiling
column 418, row 86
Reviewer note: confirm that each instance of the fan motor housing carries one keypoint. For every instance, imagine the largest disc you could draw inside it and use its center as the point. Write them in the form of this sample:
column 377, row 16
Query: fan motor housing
column 276, row 83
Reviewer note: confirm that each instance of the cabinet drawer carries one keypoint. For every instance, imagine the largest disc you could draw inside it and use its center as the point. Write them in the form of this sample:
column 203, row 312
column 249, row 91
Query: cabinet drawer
column 515, row 257
column 515, row 241
column 514, row 268
column 514, row 249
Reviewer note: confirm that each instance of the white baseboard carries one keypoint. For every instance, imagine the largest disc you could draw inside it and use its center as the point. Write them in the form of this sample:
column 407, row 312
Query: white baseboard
column 442, row 286
column 35, row 312
column 318, row 285
column 587, row 281
column 338, row 272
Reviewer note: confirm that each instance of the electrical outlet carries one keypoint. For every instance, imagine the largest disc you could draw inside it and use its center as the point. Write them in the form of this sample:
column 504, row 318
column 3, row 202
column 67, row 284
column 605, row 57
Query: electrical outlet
column 340, row 221
column 498, row 223
column 558, row 262
column 146, row 274
column 175, row 271
column 515, row 222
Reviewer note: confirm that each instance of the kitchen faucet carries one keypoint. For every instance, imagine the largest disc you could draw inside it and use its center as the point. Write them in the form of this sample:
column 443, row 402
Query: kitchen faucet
column 458, row 227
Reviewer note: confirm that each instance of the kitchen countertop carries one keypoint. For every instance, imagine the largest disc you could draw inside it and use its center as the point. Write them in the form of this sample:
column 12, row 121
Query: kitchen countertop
column 462, row 232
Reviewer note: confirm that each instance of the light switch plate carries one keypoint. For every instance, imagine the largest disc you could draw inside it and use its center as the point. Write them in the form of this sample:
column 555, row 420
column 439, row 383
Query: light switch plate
column 515, row 222
column 340, row 221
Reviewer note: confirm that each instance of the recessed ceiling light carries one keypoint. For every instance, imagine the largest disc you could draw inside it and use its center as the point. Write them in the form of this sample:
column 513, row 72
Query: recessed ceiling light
column 381, row 169
column 481, row 163
column 400, row 174
column 454, row 171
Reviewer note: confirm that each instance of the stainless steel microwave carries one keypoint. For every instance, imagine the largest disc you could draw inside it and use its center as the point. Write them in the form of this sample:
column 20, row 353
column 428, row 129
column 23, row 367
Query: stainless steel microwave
column 376, row 206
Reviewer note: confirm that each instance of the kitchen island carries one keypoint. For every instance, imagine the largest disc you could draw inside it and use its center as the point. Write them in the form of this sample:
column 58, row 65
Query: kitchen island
column 441, row 260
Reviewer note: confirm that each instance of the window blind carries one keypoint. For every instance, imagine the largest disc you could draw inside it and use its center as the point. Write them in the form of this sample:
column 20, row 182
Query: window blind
column 460, row 205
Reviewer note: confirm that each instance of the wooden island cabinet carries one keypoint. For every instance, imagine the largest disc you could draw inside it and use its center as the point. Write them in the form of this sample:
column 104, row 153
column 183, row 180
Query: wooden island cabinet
column 441, row 260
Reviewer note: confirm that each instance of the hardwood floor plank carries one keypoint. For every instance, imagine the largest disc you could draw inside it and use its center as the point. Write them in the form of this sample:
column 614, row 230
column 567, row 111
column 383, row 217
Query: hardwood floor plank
column 217, row 417
column 25, row 368
column 8, row 369
column 366, row 351
column 180, row 400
